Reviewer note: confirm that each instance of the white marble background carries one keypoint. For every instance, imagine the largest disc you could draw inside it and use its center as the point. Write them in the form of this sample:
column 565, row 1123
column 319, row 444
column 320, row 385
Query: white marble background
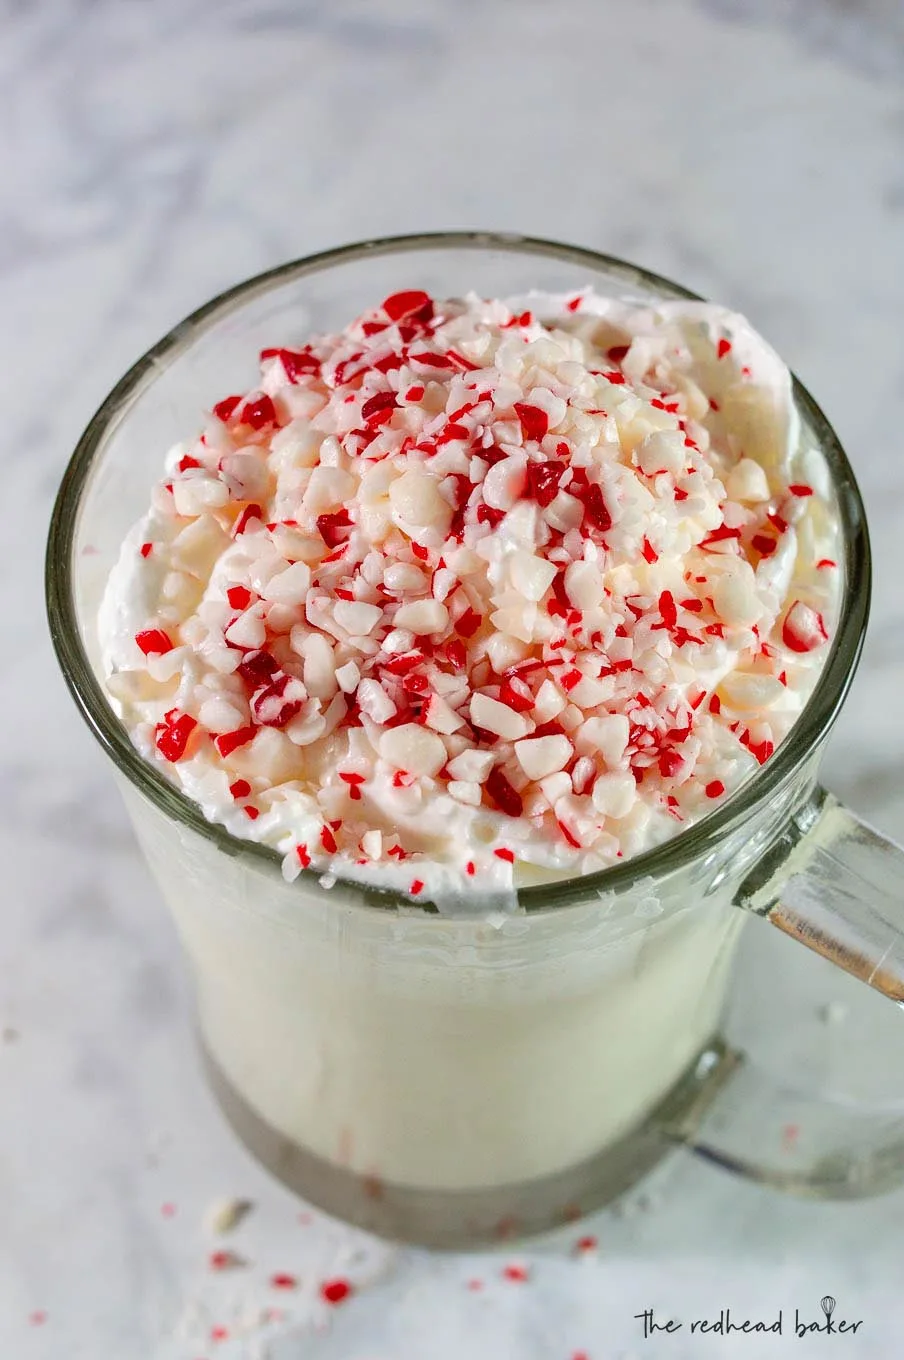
column 153, row 153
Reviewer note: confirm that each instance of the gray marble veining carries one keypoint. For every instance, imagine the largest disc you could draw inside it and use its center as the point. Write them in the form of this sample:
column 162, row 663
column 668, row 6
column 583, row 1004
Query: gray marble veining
column 151, row 155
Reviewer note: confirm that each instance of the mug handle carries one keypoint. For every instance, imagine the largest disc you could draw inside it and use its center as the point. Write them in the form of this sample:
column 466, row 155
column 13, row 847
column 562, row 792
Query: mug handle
column 837, row 886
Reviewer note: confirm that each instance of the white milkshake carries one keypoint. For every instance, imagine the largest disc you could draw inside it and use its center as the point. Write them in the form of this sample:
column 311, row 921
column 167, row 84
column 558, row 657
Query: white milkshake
column 471, row 596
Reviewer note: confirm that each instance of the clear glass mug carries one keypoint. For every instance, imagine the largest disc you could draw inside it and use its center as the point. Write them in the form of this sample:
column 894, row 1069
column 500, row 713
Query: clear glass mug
column 447, row 1080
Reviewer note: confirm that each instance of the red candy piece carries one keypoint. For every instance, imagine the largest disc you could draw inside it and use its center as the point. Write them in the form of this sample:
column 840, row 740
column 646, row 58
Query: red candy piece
column 270, row 708
column 334, row 528
column 516, row 1273
column 239, row 597
column 534, row 420
column 259, row 413
column 506, row 798
column 228, row 742
column 283, row 1281
column 257, row 666
column 468, row 624
column 803, row 629
column 410, row 305
column 335, row 1291
column 516, row 694
column 154, row 642
column 543, row 481
column 595, row 508
column 667, row 609
column 173, row 733
column 225, row 409
column 379, row 407
column 296, row 363
column 249, row 513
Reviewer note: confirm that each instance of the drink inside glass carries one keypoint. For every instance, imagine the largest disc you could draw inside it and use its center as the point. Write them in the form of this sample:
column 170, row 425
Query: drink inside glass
column 451, row 1052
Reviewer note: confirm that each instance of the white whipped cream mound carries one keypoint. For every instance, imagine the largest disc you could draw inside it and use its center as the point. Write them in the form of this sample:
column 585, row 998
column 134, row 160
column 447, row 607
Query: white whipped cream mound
column 479, row 593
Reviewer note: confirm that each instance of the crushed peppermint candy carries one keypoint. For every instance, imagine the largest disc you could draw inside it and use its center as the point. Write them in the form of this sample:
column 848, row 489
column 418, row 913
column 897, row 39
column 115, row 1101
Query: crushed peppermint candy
column 474, row 586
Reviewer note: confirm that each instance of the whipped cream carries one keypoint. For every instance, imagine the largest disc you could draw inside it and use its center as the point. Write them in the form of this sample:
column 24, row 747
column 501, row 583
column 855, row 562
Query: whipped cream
column 480, row 592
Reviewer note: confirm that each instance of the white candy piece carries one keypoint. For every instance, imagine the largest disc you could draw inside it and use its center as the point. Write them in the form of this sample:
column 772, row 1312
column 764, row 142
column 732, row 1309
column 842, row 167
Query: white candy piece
column 414, row 749
column 415, row 499
column 289, row 586
column 504, row 482
column 662, row 451
column 584, row 585
column 735, row 595
column 319, row 670
column 374, row 702
column 747, row 481
column 606, row 733
column 347, row 677
column 422, row 616
column 614, row 794
column 372, row 843
column 249, row 629
column 441, row 717
column 540, row 756
column 531, row 576
column 217, row 714
column 472, row 765
column 404, row 578
column 498, row 718
column 549, row 702
column 356, row 617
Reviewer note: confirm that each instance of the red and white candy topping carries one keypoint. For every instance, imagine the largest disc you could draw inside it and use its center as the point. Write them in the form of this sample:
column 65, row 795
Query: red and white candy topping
column 470, row 588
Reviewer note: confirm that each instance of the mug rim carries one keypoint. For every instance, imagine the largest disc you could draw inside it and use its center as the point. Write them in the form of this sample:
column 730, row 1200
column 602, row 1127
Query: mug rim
column 696, row 841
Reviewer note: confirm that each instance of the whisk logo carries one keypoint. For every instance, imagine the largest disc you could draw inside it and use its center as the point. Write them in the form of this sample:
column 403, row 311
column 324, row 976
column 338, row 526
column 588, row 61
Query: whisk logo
column 829, row 1323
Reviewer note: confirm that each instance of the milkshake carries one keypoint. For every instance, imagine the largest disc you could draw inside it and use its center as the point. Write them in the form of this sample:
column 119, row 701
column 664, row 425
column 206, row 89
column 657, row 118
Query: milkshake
column 469, row 597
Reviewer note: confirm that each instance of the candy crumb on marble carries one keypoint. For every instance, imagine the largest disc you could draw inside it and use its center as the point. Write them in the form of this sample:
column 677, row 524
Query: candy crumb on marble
column 283, row 1280
column 790, row 1136
column 833, row 1013
column 336, row 1290
column 225, row 1214
column 517, row 1272
column 225, row 1260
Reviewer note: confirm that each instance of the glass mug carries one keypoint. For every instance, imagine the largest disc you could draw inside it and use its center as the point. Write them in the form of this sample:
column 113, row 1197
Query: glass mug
column 447, row 1079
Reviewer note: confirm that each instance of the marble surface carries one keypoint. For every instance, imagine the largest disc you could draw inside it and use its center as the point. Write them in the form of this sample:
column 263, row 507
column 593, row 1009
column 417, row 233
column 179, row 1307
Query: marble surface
column 151, row 155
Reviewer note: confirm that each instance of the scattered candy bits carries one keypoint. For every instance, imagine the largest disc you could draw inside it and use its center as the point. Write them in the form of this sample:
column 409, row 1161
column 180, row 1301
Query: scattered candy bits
column 463, row 567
